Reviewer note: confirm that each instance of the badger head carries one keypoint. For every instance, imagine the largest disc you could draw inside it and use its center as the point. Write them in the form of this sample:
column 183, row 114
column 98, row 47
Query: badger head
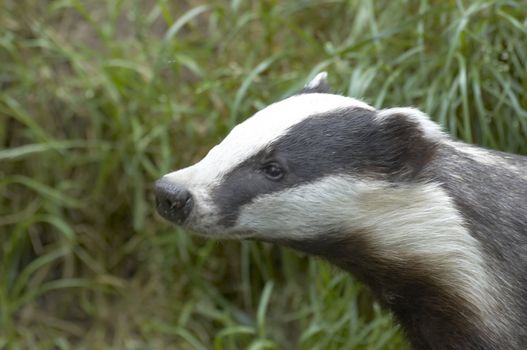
column 333, row 176
column 305, row 167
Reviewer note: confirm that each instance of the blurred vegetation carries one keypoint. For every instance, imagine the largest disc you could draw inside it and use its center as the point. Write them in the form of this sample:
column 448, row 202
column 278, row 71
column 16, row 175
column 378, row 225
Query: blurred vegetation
column 99, row 98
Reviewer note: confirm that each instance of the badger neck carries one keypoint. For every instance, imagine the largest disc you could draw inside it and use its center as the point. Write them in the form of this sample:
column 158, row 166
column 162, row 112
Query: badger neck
column 410, row 246
column 435, row 312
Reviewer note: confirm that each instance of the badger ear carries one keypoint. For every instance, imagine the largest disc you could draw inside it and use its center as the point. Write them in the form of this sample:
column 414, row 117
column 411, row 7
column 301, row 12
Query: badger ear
column 404, row 115
column 412, row 138
column 318, row 84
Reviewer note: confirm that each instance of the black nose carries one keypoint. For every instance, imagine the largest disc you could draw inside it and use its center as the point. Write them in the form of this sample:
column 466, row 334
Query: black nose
column 173, row 202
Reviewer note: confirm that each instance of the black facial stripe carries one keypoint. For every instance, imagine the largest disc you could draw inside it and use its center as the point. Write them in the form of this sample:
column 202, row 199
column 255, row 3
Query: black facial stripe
column 346, row 141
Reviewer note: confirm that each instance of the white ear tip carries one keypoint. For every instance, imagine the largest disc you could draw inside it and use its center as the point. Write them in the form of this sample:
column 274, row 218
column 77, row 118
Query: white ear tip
column 317, row 80
column 322, row 75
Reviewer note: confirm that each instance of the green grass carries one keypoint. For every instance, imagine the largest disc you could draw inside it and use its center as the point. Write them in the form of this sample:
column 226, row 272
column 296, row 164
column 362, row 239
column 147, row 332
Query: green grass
column 99, row 98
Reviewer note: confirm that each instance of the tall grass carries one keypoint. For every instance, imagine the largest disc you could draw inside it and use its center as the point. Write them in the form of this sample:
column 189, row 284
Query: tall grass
column 99, row 98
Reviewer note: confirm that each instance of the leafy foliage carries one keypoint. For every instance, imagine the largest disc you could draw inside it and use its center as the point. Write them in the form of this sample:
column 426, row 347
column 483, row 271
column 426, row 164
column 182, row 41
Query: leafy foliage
column 99, row 98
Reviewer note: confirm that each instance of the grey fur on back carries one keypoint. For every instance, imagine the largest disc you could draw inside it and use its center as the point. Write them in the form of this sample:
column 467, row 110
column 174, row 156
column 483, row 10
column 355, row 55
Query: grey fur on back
column 491, row 193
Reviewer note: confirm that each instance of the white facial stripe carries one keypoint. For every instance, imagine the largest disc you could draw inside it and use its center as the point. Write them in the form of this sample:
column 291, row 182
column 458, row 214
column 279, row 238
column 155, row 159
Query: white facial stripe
column 412, row 223
column 253, row 135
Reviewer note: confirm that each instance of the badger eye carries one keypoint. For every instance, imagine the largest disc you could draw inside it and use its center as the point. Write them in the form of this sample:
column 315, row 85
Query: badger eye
column 273, row 171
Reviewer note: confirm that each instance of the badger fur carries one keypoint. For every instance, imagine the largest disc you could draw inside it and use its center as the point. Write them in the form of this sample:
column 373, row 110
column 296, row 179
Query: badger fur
column 437, row 228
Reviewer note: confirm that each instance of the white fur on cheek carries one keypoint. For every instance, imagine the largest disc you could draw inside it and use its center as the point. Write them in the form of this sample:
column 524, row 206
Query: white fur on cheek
column 416, row 222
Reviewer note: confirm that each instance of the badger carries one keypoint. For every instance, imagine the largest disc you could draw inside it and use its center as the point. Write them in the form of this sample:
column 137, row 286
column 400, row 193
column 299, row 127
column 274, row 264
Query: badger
column 435, row 227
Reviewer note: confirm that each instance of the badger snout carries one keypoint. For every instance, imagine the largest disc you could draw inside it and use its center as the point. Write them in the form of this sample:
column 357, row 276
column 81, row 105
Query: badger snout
column 173, row 202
